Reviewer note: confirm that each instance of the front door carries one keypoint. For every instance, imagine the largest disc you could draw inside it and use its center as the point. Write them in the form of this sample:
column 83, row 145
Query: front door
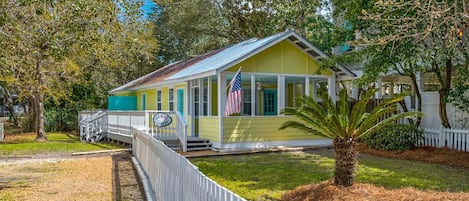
column 270, row 102
column 144, row 101
column 180, row 101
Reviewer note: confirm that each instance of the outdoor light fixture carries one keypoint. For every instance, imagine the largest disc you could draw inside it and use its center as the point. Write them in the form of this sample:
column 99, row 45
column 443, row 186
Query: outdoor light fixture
column 259, row 86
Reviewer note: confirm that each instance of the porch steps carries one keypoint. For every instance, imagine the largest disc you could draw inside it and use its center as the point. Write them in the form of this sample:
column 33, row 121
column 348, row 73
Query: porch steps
column 193, row 144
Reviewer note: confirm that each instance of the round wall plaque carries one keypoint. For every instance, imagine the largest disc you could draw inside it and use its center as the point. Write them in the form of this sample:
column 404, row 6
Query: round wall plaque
column 162, row 119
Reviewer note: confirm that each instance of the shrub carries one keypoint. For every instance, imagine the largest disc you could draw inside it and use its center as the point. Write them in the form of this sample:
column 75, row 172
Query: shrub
column 394, row 137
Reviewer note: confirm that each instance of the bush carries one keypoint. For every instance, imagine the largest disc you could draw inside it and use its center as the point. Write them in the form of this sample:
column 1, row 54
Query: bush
column 394, row 137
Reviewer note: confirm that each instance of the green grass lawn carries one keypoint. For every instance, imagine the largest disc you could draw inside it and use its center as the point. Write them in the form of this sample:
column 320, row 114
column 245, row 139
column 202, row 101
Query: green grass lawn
column 267, row 176
column 24, row 144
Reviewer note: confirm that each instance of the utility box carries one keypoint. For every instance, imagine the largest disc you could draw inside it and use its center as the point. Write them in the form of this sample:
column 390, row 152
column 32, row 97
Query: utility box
column 122, row 103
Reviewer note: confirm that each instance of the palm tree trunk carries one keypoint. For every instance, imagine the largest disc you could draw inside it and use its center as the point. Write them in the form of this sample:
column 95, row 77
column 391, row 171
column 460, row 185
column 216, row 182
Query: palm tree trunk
column 345, row 160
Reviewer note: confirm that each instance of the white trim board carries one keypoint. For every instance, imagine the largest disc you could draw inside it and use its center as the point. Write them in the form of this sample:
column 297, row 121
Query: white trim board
column 271, row 144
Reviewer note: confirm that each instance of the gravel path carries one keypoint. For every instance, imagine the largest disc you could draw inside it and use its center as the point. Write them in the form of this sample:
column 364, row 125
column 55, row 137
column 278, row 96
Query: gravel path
column 104, row 176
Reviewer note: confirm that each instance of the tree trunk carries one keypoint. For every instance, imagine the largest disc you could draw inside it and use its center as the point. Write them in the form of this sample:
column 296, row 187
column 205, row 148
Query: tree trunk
column 10, row 105
column 345, row 160
column 442, row 107
column 40, row 131
column 419, row 97
column 39, row 104
column 443, row 92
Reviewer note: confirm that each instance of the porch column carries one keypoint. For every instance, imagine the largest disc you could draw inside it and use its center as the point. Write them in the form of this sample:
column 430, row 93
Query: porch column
column 190, row 111
column 201, row 97
column 379, row 86
column 391, row 89
column 253, row 95
column 209, row 96
column 280, row 93
column 315, row 90
column 354, row 90
column 307, row 86
column 420, row 83
column 221, row 81
column 331, row 88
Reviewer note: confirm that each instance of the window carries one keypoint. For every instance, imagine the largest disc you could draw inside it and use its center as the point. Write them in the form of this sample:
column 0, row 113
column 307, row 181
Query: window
column 171, row 99
column 205, row 102
column 158, row 99
column 246, row 101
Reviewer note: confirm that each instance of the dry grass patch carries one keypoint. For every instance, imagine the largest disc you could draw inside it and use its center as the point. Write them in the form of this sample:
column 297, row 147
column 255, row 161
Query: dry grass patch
column 77, row 179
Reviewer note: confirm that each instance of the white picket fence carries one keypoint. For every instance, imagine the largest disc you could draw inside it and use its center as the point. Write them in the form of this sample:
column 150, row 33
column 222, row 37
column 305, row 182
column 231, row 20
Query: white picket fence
column 452, row 138
column 172, row 176
column 2, row 132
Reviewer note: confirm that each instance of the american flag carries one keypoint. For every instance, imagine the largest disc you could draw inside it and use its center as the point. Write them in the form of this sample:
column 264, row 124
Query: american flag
column 233, row 102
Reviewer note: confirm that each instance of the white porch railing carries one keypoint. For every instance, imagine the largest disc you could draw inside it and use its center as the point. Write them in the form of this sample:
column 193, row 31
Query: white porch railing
column 92, row 127
column 119, row 124
column 172, row 176
column 452, row 138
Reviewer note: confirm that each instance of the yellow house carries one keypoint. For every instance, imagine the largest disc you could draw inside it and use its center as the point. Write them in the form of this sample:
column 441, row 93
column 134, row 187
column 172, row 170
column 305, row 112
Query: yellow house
column 274, row 70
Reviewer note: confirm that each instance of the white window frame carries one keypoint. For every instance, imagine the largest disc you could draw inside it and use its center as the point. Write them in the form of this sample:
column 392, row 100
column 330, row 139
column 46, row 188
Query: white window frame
column 159, row 100
column 171, row 99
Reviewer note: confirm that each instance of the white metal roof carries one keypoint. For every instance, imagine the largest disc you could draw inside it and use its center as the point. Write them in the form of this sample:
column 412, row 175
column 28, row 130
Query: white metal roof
column 226, row 56
column 237, row 53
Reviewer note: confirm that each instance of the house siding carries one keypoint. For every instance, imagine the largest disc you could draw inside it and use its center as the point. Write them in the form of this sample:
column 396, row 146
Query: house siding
column 260, row 129
column 210, row 128
column 150, row 99
column 283, row 58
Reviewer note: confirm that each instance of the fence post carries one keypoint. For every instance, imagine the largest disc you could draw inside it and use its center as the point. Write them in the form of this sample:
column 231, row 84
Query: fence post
column 441, row 137
column 2, row 132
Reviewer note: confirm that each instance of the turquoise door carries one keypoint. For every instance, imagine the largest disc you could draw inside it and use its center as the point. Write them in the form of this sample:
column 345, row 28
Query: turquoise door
column 144, row 101
column 180, row 101
column 270, row 102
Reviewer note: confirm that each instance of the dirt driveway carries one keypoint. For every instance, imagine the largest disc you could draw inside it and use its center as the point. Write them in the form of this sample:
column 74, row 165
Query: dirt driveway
column 92, row 177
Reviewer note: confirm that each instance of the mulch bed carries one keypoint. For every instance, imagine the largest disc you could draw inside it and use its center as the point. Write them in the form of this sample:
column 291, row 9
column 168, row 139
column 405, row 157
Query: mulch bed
column 327, row 191
column 442, row 156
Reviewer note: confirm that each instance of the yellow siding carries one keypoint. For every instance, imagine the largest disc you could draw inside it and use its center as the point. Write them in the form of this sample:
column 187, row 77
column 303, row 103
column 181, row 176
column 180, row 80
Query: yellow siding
column 214, row 99
column 209, row 128
column 150, row 99
column 127, row 93
column 164, row 98
column 257, row 129
column 283, row 58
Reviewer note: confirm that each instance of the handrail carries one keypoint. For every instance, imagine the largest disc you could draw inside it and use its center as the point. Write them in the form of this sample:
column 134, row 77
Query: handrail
column 93, row 117
column 177, row 128
column 182, row 132
column 93, row 126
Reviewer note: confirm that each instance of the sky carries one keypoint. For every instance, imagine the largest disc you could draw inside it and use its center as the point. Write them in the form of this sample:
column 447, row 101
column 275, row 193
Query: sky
column 147, row 8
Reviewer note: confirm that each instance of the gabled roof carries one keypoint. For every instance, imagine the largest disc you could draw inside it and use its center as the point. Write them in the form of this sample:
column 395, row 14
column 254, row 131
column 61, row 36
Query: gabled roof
column 163, row 73
column 219, row 60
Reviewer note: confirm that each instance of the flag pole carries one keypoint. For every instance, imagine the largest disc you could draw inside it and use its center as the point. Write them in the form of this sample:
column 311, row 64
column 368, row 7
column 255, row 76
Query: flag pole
column 229, row 84
column 233, row 104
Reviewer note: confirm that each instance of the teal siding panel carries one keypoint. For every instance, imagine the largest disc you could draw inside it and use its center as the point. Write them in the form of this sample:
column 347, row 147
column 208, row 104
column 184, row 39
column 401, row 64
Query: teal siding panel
column 122, row 103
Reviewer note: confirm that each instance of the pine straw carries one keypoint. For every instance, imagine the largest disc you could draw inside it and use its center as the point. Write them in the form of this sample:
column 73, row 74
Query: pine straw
column 442, row 156
column 327, row 191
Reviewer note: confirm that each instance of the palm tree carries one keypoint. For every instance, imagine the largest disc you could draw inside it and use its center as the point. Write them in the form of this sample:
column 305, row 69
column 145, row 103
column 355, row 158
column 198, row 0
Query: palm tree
column 343, row 123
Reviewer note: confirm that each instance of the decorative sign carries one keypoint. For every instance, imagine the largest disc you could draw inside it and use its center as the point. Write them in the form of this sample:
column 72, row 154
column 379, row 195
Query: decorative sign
column 162, row 119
